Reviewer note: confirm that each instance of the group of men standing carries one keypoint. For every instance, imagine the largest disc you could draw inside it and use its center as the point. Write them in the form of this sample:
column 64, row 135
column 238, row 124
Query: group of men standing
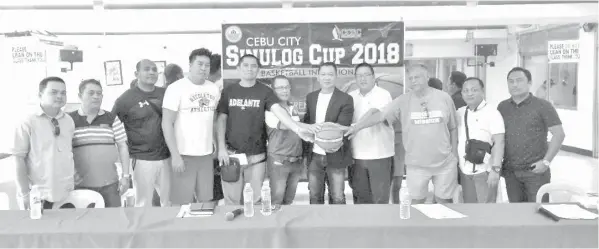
column 172, row 137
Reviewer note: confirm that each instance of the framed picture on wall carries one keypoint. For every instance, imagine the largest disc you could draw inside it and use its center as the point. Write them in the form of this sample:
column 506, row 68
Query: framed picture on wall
column 161, row 66
column 113, row 73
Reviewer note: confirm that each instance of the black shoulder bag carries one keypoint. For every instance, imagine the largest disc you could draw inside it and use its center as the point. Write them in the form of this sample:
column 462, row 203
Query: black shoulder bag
column 475, row 149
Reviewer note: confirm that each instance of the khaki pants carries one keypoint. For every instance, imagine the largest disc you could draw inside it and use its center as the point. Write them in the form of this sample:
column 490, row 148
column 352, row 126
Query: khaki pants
column 253, row 173
column 150, row 175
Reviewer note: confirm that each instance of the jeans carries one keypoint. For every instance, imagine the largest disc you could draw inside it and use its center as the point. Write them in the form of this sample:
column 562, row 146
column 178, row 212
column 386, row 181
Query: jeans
column 523, row 185
column 284, row 176
column 317, row 170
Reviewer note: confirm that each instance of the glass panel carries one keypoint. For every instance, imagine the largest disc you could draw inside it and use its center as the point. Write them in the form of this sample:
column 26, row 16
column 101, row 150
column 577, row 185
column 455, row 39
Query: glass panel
column 537, row 65
column 563, row 82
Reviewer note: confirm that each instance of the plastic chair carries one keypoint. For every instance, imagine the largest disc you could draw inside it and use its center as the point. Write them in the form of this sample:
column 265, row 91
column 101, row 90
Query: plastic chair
column 458, row 197
column 82, row 198
column 4, row 201
column 553, row 187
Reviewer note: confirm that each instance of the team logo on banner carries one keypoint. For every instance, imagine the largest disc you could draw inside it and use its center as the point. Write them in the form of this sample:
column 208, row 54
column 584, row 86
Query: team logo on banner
column 295, row 50
column 233, row 34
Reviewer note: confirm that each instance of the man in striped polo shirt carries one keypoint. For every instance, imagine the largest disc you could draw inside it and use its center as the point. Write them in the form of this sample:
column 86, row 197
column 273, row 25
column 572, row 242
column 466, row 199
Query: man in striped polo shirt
column 94, row 152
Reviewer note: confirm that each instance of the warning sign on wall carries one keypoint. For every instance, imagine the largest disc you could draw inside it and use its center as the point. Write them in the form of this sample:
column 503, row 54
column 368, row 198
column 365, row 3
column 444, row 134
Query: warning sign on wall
column 563, row 51
column 27, row 54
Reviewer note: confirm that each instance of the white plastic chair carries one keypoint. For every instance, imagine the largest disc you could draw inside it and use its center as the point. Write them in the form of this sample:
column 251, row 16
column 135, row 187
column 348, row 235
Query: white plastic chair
column 4, row 201
column 567, row 191
column 82, row 198
column 458, row 197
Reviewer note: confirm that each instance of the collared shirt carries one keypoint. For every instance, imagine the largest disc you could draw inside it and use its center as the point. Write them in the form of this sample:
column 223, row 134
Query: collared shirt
column 94, row 147
column 483, row 122
column 376, row 142
column 49, row 158
column 526, row 128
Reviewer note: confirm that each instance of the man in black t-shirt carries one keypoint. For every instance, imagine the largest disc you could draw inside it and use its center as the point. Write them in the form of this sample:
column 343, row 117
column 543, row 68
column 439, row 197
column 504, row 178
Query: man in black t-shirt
column 241, row 128
column 139, row 108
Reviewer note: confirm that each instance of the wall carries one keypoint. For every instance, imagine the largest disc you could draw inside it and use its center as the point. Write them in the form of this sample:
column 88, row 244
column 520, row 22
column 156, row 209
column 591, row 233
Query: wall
column 578, row 124
column 175, row 48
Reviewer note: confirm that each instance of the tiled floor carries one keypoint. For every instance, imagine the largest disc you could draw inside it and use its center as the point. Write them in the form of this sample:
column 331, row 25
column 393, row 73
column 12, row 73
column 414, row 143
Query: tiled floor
column 567, row 167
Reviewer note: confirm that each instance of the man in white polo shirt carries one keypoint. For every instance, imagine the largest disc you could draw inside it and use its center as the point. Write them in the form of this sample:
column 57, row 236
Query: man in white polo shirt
column 481, row 128
column 373, row 147
column 188, row 122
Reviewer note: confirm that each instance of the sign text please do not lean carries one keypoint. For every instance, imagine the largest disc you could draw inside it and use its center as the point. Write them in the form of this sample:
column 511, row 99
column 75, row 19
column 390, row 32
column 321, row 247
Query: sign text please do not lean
column 563, row 51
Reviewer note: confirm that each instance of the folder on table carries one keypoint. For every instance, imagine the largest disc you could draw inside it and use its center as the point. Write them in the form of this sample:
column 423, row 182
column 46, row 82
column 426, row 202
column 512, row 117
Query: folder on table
column 566, row 211
column 203, row 208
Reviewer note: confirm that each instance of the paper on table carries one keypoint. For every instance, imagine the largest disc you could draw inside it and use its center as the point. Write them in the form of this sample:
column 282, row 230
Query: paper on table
column 438, row 211
column 243, row 160
column 184, row 212
column 569, row 211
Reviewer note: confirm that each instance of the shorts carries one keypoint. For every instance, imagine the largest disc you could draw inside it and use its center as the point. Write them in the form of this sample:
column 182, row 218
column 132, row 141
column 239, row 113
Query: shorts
column 444, row 179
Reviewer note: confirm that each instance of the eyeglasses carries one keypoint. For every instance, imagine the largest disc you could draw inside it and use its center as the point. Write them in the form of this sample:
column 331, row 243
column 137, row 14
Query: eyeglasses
column 283, row 88
column 56, row 127
column 363, row 76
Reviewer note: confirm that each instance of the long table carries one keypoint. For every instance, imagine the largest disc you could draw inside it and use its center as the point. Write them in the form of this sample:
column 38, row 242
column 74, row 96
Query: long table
column 487, row 225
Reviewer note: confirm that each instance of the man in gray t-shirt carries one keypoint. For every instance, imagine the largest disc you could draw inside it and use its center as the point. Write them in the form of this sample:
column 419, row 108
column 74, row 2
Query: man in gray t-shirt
column 428, row 123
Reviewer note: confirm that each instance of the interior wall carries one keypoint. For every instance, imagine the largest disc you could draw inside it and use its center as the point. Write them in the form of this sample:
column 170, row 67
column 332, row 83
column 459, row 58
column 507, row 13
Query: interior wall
column 578, row 124
column 175, row 49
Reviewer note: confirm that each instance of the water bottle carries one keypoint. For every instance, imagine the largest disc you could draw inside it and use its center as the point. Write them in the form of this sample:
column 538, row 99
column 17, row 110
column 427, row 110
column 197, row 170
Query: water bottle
column 265, row 194
column 248, row 201
column 405, row 201
column 35, row 203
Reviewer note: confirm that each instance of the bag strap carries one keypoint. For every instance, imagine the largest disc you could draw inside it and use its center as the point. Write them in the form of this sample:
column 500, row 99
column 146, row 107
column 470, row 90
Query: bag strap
column 154, row 107
column 468, row 137
column 466, row 124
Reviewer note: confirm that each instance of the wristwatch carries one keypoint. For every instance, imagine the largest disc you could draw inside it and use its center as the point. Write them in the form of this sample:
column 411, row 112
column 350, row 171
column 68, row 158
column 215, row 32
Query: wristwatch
column 496, row 169
column 546, row 162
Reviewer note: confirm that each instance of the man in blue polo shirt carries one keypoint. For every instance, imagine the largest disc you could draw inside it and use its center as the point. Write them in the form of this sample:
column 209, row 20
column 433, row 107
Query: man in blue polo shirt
column 528, row 156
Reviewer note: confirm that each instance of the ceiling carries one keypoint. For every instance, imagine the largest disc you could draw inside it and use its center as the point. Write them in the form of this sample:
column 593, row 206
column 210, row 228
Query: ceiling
column 235, row 4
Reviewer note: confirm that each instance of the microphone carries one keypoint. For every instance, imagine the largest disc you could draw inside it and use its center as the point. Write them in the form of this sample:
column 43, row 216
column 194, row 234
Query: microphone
column 229, row 216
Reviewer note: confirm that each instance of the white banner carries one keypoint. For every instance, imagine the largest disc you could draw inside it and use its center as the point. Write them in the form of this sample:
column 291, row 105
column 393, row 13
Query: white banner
column 563, row 51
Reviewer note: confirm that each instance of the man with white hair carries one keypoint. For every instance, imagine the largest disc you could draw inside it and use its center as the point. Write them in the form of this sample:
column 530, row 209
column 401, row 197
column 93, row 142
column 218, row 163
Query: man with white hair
column 429, row 126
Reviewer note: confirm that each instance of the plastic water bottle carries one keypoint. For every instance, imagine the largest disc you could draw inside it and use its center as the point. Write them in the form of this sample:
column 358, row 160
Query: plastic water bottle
column 265, row 195
column 35, row 203
column 248, row 201
column 405, row 201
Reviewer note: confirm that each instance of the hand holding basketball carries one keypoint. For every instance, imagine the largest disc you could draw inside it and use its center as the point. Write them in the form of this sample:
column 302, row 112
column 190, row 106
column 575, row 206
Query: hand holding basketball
column 330, row 137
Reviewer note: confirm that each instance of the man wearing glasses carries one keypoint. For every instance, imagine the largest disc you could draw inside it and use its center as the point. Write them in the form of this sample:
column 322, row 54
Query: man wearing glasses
column 42, row 147
column 429, row 126
column 373, row 147
column 284, row 148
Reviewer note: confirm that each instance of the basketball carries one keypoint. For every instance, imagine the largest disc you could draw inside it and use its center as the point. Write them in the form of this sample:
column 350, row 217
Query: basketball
column 329, row 137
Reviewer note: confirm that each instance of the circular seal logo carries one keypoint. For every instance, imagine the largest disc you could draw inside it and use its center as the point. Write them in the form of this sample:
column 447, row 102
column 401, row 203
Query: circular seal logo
column 233, row 34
